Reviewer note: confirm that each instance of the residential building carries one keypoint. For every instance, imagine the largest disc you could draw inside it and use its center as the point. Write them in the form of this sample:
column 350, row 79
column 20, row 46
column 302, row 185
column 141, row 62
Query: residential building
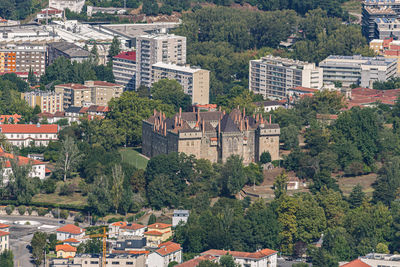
column 132, row 229
column 267, row 106
column 389, row 48
column 99, row 111
column 157, row 233
column 375, row 260
column 369, row 16
column 74, row 94
column 153, row 48
column 38, row 168
column 262, row 258
column 94, row 260
column 387, row 28
column 165, row 254
column 196, row 261
column 68, row 50
column 355, row 263
column 23, row 58
column 130, row 243
column 73, row 113
column 113, row 229
column 4, row 241
column 70, row 231
column 65, row 251
column 124, row 69
column 72, row 5
column 179, row 216
column 358, row 70
column 46, row 117
column 48, row 101
column 72, row 242
column 105, row 10
column 367, row 97
column 23, row 135
column 272, row 76
column 10, row 119
column 49, row 13
column 212, row 135
column 102, row 92
column 194, row 81
column 4, row 227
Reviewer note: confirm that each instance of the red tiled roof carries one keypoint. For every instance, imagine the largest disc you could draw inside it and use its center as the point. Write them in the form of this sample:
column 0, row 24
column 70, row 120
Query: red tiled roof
column 134, row 252
column 120, row 224
column 239, row 254
column 73, row 86
column 50, row 11
column 2, row 233
column 159, row 225
column 29, row 128
column 356, row 263
column 72, row 229
column 103, row 83
column 153, row 233
column 133, row 226
column 66, row 248
column 2, row 225
column 16, row 118
column 169, row 248
column 83, row 110
column 47, row 170
column 71, row 240
column 21, row 160
column 304, row 89
column 196, row 261
column 130, row 55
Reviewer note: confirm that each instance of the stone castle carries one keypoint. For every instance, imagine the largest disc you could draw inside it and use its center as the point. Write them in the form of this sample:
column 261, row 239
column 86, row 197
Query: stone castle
column 212, row 135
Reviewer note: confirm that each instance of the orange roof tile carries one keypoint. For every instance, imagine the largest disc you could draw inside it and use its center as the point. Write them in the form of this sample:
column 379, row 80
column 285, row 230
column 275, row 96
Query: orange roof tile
column 133, row 226
column 73, row 86
column 240, row 254
column 159, row 225
column 2, row 225
column 196, row 261
column 71, row 240
column 304, row 89
column 29, row 128
column 21, row 160
column 169, row 248
column 120, row 223
column 2, row 233
column 66, row 248
column 153, row 233
column 102, row 83
column 72, row 229
column 356, row 263
column 135, row 252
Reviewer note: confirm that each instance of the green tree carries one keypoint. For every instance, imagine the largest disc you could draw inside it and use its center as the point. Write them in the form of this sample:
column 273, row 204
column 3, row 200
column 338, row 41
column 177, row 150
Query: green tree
column 94, row 55
column 20, row 186
column 227, row 261
column 117, row 186
column 31, row 77
column 114, row 48
column 38, row 244
column 7, row 258
column 286, row 209
column 289, row 137
column 388, row 182
column 233, row 175
column 356, row 197
column 280, row 185
column 171, row 92
column 152, row 219
column 150, row 7
column 382, row 248
column 265, row 157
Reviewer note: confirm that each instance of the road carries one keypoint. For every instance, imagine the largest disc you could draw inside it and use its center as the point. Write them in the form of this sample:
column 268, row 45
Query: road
column 21, row 235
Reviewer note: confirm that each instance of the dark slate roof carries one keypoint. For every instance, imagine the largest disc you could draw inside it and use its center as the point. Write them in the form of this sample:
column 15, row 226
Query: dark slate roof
column 228, row 125
column 72, row 109
column 70, row 49
column 270, row 126
column 207, row 116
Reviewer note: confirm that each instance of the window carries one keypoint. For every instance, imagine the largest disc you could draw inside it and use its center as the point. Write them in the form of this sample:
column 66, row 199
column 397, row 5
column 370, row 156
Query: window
column 115, row 262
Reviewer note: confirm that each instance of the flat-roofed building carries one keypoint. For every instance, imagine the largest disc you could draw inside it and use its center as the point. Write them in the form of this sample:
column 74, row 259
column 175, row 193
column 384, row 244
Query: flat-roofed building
column 387, row 28
column 195, row 81
column 102, row 92
column 272, row 76
column 124, row 69
column 23, row 58
column 72, row 5
column 47, row 101
column 74, row 94
column 67, row 50
column 358, row 70
column 153, row 48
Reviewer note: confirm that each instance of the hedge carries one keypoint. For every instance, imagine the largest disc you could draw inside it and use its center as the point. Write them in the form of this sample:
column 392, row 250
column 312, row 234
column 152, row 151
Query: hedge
column 46, row 205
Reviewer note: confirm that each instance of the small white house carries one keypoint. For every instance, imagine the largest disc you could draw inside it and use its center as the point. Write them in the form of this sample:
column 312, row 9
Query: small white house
column 180, row 216
column 4, row 241
column 70, row 231
column 267, row 106
column 167, row 253
column 132, row 230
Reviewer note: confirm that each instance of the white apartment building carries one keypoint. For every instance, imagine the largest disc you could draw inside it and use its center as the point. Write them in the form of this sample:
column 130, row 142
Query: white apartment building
column 262, row 258
column 124, row 69
column 23, row 135
column 72, row 5
column 180, row 216
column 272, row 76
column 4, row 241
column 358, row 70
column 70, row 231
column 195, row 81
column 150, row 49
column 167, row 253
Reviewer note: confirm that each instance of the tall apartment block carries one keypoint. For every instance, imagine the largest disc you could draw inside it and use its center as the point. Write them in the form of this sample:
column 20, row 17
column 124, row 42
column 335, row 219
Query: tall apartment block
column 48, row 101
column 195, row 81
column 91, row 93
column 23, row 58
column 272, row 76
column 387, row 28
column 358, row 70
column 124, row 69
column 150, row 49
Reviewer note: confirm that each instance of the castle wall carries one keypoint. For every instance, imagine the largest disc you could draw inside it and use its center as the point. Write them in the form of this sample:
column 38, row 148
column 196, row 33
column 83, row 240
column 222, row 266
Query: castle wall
column 147, row 133
column 268, row 141
column 209, row 148
column 231, row 144
column 190, row 143
column 248, row 147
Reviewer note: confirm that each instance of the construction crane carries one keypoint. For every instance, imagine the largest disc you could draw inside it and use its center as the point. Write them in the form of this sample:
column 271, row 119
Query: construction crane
column 104, row 237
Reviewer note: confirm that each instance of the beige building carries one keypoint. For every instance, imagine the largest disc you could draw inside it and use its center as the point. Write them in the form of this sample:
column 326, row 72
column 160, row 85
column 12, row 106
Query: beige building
column 195, row 81
column 112, row 260
column 65, row 251
column 48, row 101
column 157, row 233
column 150, row 49
column 91, row 93
column 103, row 92
column 212, row 135
column 4, row 241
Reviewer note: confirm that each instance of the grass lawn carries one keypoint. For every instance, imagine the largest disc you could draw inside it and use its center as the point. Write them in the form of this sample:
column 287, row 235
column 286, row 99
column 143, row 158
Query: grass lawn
column 366, row 181
column 133, row 157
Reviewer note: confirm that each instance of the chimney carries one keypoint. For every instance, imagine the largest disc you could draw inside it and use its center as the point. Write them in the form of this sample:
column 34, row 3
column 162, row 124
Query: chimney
column 165, row 128
column 176, row 122
column 244, row 112
column 203, row 126
column 269, row 118
column 219, row 108
column 198, row 115
column 180, row 111
column 219, row 127
column 194, row 109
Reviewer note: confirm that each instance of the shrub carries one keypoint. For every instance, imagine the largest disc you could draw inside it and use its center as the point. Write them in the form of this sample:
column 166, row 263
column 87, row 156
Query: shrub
column 67, row 189
column 30, row 210
column 64, row 214
column 49, row 186
column 9, row 209
column 21, row 210
column 115, row 219
column 152, row 219
column 42, row 211
column 79, row 217
column 130, row 219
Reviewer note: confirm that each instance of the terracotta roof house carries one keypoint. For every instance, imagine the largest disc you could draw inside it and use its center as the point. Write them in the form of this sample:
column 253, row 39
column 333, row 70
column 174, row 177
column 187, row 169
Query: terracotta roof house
column 22, row 135
column 4, row 241
column 157, row 233
column 196, row 261
column 70, row 231
column 167, row 252
column 65, row 251
column 262, row 258
column 356, row 263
